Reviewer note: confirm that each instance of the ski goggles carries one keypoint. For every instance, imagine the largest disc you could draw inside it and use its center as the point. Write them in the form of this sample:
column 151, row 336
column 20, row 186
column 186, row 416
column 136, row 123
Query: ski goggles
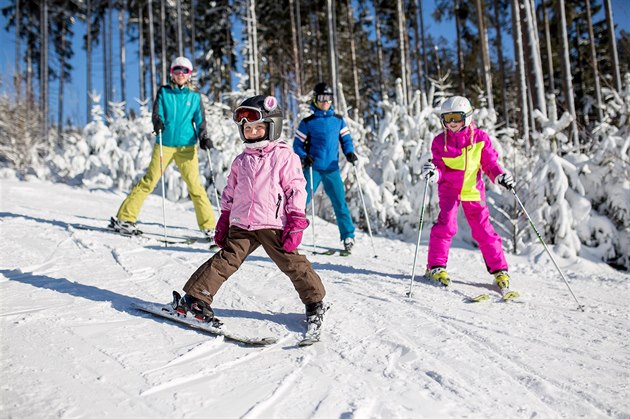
column 180, row 70
column 324, row 98
column 247, row 115
column 453, row 117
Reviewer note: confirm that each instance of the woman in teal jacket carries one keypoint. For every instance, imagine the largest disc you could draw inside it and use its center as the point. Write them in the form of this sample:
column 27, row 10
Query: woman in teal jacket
column 178, row 116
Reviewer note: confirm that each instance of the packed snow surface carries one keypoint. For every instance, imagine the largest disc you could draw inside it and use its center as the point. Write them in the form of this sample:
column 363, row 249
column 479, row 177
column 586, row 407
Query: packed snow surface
column 73, row 346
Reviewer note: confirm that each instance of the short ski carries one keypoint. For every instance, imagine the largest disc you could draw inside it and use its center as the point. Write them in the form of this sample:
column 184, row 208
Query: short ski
column 181, row 239
column 331, row 252
column 505, row 297
column 148, row 236
column 167, row 312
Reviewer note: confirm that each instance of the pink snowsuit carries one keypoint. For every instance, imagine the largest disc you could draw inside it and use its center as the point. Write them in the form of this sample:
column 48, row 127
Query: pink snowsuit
column 460, row 159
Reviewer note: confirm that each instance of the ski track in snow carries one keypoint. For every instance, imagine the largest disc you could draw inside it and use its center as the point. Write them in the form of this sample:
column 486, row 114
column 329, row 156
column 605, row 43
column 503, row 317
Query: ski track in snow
column 72, row 346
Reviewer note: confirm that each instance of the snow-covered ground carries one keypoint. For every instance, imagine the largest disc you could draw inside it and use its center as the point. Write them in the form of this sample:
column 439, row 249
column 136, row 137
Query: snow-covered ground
column 72, row 345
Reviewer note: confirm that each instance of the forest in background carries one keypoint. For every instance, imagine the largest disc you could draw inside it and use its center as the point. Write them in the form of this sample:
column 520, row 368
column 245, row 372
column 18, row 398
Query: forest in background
column 558, row 110
column 285, row 47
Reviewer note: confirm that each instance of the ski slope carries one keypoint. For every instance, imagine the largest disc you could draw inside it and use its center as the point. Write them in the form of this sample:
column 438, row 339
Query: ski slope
column 72, row 345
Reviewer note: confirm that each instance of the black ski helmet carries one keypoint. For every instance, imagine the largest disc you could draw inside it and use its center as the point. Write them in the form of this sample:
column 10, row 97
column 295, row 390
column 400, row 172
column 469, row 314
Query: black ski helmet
column 270, row 113
column 322, row 88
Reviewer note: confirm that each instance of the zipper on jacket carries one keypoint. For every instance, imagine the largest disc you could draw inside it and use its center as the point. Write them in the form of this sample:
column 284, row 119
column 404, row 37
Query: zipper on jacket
column 278, row 205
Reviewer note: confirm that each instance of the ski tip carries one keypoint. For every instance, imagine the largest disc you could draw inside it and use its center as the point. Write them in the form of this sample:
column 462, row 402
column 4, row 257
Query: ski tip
column 510, row 295
column 479, row 298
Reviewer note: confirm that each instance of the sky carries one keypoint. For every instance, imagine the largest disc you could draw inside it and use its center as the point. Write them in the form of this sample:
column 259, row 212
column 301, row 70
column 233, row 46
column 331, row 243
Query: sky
column 75, row 95
column 73, row 346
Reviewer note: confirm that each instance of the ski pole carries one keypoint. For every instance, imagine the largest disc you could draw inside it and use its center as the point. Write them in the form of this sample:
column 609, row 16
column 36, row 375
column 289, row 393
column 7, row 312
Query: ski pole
column 531, row 223
column 367, row 217
column 163, row 190
column 310, row 173
column 415, row 256
column 216, row 194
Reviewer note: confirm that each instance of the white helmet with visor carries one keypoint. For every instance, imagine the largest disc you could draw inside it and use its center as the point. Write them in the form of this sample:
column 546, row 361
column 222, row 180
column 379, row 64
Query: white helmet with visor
column 456, row 109
column 181, row 65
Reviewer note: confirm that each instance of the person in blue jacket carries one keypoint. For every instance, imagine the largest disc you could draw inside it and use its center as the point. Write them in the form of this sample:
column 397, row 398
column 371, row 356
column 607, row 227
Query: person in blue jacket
column 178, row 117
column 317, row 141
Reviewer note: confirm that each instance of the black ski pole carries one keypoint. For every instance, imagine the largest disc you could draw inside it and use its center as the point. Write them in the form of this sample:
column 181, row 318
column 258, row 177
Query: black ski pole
column 531, row 223
column 415, row 256
column 214, row 185
column 367, row 216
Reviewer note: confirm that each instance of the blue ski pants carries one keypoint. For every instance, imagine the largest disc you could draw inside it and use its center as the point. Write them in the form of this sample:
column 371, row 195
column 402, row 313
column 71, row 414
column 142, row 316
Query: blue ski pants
column 333, row 186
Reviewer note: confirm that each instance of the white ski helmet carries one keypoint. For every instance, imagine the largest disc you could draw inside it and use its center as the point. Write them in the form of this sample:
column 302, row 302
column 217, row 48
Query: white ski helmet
column 181, row 62
column 457, row 104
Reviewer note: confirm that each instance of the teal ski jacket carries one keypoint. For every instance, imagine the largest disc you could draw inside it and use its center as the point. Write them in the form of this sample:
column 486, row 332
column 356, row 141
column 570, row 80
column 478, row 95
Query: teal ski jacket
column 182, row 112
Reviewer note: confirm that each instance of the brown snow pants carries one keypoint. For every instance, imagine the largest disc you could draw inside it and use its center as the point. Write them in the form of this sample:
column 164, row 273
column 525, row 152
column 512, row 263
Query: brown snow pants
column 208, row 278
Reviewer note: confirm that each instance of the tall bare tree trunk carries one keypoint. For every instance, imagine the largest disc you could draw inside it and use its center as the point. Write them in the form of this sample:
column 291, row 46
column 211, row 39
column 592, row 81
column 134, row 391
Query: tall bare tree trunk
column 424, row 48
column 43, row 83
column 143, row 93
column 566, row 72
column 121, row 40
column 110, row 53
column 62, row 64
column 254, row 46
column 483, row 38
column 613, row 45
column 297, row 71
column 499, row 47
column 402, row 48
column 250, row 43
column 522, row 84
column 353, row 53
column 106, row 90
column 460, row 53
column 180, row 36
column 30, row 96
column 152, row 51
column 88, row 59
column 298, row 20
column 379, row 53
column 552, row 82
column 163, row 57
column 332, row 47
column 417, row 51
column 17, row 77
column 591, row 38
column 536, row 61
column 193, row 31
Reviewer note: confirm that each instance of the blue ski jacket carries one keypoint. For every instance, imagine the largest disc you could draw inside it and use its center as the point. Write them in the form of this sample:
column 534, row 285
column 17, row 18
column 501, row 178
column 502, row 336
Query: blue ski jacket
column 319, row 135
column 181, row 110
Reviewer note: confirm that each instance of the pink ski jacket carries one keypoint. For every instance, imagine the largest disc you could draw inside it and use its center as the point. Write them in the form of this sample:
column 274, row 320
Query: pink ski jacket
column 263, row 186
column 460, row 158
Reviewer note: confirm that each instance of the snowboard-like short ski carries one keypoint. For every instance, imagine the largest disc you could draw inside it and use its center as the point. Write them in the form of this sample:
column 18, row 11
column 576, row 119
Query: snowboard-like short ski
column 504, row 295
column 186, row 240
column 331, row 252
column 166, row 311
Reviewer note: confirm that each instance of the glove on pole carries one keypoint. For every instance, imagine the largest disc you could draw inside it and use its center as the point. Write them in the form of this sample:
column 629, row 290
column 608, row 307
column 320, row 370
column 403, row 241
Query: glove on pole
column 415, row 255
column 367, row 216
column 163, row 190
column 531, row 223
column 214, row 186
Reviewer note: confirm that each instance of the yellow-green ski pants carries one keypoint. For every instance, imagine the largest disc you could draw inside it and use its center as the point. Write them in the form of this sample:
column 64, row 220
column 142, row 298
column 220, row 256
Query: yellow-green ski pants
column 188, row 164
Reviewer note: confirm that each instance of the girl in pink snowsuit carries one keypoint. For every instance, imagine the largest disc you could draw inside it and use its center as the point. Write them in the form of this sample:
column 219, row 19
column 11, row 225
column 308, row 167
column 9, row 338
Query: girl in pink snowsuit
column 263, row 204
column 460, row 154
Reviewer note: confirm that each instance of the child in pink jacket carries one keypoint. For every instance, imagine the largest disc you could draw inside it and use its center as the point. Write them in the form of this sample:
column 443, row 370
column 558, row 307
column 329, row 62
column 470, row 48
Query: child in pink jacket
column 460, row 155
column 263, row 204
